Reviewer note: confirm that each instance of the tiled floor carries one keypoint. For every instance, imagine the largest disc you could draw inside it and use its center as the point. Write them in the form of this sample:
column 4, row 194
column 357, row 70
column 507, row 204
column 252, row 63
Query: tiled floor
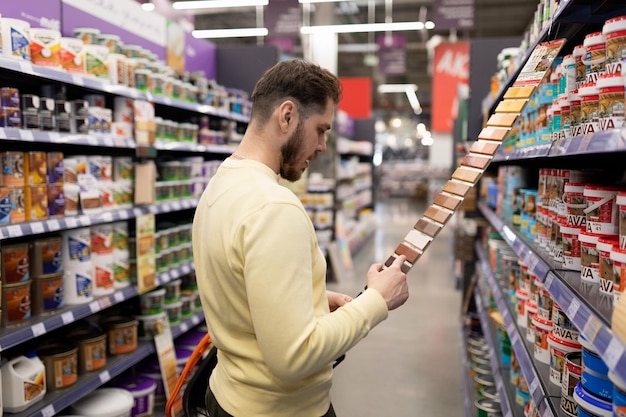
column 409, row 366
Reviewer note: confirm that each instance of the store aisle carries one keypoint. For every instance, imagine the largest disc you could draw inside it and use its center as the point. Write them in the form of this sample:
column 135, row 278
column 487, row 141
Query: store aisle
column 409, row 366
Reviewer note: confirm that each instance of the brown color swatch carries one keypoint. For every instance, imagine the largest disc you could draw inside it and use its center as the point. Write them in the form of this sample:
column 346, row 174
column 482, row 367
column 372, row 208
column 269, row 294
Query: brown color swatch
column 501, row 120
column 466, row 174
column 437, row 214
column 411, row 253
column 404, row 268
column 476, row 161
column 485, row 147
column 493, row 133
column 427, row 227
column 458, row 188
column 448, row 201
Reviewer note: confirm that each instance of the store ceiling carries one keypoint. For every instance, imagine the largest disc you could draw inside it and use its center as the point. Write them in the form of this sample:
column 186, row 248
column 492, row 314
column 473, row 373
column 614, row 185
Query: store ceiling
column 492, row 18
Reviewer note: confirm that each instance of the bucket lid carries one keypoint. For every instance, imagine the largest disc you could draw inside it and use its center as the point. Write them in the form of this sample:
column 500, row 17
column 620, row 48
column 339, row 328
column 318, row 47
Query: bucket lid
column 542, row 323
column 135, row 384
column 563, row 344
column 488, row 405
column 105, row 402
column 591, row 403
column 606, row 243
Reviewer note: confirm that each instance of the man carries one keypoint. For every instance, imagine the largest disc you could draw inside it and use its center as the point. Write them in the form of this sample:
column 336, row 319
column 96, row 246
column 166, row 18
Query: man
column 261, row 274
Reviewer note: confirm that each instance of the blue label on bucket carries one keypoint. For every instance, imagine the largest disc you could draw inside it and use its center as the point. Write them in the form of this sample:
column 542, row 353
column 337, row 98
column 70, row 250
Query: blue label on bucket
column 20, row 44
column 53, row 297
column 78, row 250
column 83, row 286
column 5, row 208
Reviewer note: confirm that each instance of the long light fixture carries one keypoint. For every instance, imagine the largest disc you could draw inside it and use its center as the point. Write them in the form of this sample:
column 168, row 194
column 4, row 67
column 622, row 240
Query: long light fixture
column 408, row 89
column 367, row 27
column 148, row 6
column 319, row 1
column 217, row 4
column 229, row 33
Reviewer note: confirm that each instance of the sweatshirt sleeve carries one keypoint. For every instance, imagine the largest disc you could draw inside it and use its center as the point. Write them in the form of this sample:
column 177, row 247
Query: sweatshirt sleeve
column 294, row 341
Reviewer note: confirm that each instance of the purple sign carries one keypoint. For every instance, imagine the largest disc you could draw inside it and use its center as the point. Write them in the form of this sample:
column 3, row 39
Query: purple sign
column 453, row 14
column 200, row 55
column 39, row 13
column 283, row 18
column 391, row 54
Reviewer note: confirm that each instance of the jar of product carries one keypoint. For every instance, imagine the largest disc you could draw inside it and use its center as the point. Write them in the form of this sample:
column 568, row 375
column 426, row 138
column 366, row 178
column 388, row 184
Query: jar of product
column 589, row 108
column 574, row 113
column 565, row 116
column 545, row 304
column 595, row 55
column 569, row 74
column 556, row 120
column 575, row 204
column 571, row 246
column 589, row 257
column 614, row 31
column 521, row 296
column 605, row 245
column 531, row 311
column 621, row 203
column 602, row 209
column 571, row 376
column 581, row 68
column 618, row 256
column 610, row 101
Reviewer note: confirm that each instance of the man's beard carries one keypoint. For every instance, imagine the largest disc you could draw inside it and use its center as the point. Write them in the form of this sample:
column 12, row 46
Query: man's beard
column 290, row 153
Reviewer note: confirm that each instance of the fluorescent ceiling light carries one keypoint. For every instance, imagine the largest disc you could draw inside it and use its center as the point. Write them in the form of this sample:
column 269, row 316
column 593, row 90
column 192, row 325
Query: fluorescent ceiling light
column 319, row 1
column 408, row 89
column 357, row 47
column 229, row 33
column 364, row 27
column 148, row 6
column 216, row 4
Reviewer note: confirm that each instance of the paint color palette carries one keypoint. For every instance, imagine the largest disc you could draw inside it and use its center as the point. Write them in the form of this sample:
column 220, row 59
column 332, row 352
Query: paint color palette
column 485, row 147
column 502, row 120
column 493, row 133
column 519, row 92
column 511, row 106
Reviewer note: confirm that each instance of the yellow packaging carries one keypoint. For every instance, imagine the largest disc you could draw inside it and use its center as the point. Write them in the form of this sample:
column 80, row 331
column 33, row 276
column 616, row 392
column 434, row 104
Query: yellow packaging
column 45, row 47
column 35, row 167
column 36, row 202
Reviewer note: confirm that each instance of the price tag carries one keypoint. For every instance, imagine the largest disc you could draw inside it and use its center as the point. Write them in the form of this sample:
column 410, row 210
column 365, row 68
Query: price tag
column 27, row 135
column 94, row 306
column 53, row 137
column 534, row 385
column 613, row 353
column 184, row 327
column 3, row 134
column 37, row 227
column 78, row 80
column 167, row 101
column 591, row 328
column 53, row 225
column 15, row 231
column 153, row 209
column 510, row 328
column 119, row 297
column 108, row 141
column 67, row 317
column 48, row 411
column 167, row 207
column 514, row 338
column 85, row 220
column 92, row 141
column 26, row 67
column 548, row 282
column 123, row 215
column 105, row 302
column 105, row 377
column 38, row 329
column 176, row 205
column 572, row 308
column 107, row 217
column 195, row 320
column 71, row 222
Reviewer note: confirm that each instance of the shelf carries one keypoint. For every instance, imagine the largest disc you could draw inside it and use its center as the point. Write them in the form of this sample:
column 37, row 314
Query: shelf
column 40, row 136
column 54, row 225
column 538, row 390
column 506, row 403
column 56, row 401
column 607, row 141
column 165, row 145
column 84, row 81
column 468, row 395
column 40, row 325
column 590, row 315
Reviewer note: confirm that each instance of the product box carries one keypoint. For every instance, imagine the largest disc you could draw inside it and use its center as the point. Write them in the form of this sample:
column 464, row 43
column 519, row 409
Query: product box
column 13, row 169
column 56, row 200
column 145, row 179
column 9, row 97
column 10, row 117
column 36, row 167
column 55, row 167
column 36, row 202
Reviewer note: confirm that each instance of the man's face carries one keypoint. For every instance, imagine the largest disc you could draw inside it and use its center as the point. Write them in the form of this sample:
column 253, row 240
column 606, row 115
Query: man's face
column 305, row 143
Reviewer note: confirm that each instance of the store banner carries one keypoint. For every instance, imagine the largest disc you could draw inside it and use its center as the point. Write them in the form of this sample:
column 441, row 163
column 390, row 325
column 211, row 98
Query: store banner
column 200, row 55
column 283, row 19
column 39, row 13
column 125, row 18
column 391, row 54
column 175, row 47
column 453, row 14
column 450, row 68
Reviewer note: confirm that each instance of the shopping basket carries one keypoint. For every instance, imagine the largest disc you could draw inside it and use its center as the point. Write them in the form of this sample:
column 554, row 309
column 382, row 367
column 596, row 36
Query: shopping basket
column 188, row 396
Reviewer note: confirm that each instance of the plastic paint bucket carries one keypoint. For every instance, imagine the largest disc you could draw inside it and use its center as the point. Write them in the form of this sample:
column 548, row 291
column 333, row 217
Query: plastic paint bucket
column 589, row 258
column 188, row 301
column 92, row 349
column 45, row 47
column 571, row 247
column 595, row 55
column 121, row 334
column 571, row 378
column 61, row 363
column 621, row 202
column 72, row 55
column 152, row 325
column 605, row 246
column 16, row 302
column 542, row 330
column 15, row 42
column 558, row 349
column 611, row 101
column 591, row 406
column 602, row 209
column 174, row 312
column 531, row 310
column 589, row 113
column 522, row 297
column 47, row 293
column 46, row 257
column 172, row 291
column 15, row 263
column 545, row 304
column 614, row 31
column 87, row 34
column 105, row 402
column 152, row 302
column 142, row 388
column 618, row 256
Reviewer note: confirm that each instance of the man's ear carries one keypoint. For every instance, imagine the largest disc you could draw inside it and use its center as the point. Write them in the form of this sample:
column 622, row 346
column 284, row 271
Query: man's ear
column 287, row 114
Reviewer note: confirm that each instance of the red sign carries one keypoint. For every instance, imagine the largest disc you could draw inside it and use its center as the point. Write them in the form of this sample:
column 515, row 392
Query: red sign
column 450, row 69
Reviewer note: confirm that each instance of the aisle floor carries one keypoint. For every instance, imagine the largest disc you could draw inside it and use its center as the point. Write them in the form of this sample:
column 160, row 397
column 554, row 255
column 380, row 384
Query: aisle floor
column 410, row 365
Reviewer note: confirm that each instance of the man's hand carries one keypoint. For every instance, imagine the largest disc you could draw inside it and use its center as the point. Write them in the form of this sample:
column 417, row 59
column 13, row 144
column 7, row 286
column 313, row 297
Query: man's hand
column 336, row 300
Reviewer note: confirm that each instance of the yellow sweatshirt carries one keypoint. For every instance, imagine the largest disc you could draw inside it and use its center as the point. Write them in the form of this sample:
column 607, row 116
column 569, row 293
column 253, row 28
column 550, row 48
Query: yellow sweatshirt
column 262, row 281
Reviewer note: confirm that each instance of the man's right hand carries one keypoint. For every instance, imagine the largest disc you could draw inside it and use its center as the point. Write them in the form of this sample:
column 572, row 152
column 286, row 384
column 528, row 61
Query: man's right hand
column 390, row 282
